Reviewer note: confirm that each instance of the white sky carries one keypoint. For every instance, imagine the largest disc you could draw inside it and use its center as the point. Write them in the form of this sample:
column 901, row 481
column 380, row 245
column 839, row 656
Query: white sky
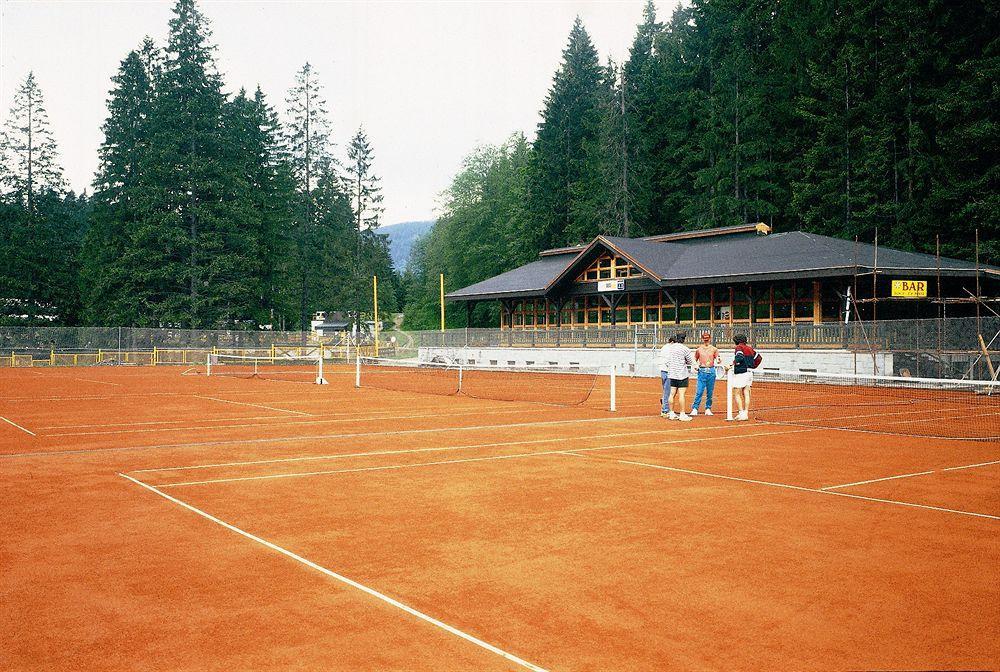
column 429, row 80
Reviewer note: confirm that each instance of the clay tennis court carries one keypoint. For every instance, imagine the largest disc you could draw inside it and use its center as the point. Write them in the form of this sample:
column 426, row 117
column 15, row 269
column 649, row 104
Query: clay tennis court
column 154, row 520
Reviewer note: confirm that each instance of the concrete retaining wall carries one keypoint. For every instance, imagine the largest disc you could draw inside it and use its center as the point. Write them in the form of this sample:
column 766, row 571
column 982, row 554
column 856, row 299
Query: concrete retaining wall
column 643, row 363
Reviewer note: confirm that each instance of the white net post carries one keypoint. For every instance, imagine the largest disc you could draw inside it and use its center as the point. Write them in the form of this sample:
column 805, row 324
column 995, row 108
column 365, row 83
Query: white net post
column 729, row 396
column 208, row 364
column 320, row 380
column 357, row 369
column 613, row 406
column 459, row 377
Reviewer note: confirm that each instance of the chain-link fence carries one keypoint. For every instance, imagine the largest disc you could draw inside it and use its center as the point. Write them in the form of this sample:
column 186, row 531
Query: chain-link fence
column 938, row 348
column 92, row 339
column 930, row 347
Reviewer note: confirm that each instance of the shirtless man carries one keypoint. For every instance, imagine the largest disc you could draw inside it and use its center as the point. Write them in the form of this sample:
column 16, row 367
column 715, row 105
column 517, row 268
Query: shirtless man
column 706, row 357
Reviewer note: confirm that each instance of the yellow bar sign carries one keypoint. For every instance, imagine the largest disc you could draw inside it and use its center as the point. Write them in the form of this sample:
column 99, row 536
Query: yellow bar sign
column 913, row 288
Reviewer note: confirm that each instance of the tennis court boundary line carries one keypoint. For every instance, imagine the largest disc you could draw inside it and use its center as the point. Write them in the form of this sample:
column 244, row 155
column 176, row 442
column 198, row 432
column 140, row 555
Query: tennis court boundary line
column 310, row 419
column 801, row 488
column 309, row 437
column 343, row 579
column 401, row 451
column 246, row 403
column 919, row 473
column 11, row 422
column 485, row 458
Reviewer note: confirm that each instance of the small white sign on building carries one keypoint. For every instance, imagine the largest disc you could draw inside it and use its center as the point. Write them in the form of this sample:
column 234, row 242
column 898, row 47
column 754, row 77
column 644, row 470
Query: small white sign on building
column 611, row 286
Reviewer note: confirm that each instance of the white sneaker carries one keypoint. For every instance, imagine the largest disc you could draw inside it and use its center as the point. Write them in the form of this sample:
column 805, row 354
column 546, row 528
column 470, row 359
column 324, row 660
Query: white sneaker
column 694, row 412
column 684, row 417
column 708, row 411
column 672, row 416
column 742, row 416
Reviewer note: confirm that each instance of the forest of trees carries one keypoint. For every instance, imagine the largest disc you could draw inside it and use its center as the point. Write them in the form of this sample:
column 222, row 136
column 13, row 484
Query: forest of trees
column 840, row 118
column 212, row 210
column 206, row 211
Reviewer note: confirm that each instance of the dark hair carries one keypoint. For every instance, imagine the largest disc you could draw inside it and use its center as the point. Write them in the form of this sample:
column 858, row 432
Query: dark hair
column 739, row 339
column 680, row 337
column 671, row 340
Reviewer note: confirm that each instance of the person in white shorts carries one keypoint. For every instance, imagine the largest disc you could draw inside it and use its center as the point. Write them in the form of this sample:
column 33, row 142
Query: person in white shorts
column 742, row 375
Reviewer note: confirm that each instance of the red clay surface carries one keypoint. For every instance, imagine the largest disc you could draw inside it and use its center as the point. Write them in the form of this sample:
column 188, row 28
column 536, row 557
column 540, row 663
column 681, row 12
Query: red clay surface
column 344, row 529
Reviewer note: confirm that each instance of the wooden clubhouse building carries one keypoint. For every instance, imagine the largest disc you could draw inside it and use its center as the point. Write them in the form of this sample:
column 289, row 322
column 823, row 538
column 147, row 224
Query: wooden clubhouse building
column 728, row 276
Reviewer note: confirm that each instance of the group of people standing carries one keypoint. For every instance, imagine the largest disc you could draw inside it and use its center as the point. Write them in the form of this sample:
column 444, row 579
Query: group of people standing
column 678, row 363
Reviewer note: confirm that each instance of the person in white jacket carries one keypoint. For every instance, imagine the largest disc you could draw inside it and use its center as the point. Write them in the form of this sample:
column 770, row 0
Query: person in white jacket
column 675, row 369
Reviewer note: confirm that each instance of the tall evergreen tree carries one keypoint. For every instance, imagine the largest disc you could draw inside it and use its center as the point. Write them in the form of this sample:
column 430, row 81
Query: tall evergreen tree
column 195, row 237
column 371, row 249
column 40, row 224
column 307, row 139
column 638, row 99
column 111, row 261
column 570, row 119
column 28, row 153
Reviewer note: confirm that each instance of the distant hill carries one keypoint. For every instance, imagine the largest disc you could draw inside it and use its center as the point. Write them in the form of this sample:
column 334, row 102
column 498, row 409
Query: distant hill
column 401, row 239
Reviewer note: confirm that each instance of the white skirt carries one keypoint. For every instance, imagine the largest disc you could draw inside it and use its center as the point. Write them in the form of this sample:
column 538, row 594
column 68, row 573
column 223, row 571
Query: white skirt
column 741, row 380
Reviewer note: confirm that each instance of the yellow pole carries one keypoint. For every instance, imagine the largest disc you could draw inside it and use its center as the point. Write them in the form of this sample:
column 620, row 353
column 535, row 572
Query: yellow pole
column 375, row 303
column 442, row 302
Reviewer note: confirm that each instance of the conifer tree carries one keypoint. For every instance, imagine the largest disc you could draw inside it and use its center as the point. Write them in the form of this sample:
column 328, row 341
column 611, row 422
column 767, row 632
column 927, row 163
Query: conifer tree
column 40, row 224
column 195, row 236
column 307, row 142
column 111, row 260
column 570, row 119
column 370, row 255
column 28, row 153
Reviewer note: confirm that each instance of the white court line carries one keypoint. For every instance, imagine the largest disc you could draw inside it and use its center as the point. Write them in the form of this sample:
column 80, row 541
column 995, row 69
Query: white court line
column 335, row 456
column 102, row 382
column 315, row 420
column 11, row 422
column 876, row 480
column 243, row 403
column 307, row 437
column 817, row 490
column 343, row 579
column 488, row 458
column 919, row 473
column 970, row 466
column 374, row 413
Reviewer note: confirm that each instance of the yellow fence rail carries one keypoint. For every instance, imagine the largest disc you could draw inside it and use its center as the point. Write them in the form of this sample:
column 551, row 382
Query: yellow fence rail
column 177, row 356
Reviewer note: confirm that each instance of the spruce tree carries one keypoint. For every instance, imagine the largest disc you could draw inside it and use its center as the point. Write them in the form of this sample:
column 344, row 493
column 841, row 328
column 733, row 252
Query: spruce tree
column 570, row 120
column 370, row 254
column 28, row 154
column 111, row 260
column 194, row 237
column 307, row 143
column 41, row 224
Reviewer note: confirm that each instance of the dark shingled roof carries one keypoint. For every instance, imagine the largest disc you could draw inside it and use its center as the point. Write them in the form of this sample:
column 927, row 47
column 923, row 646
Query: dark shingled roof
column 722, row 259
column 528, row 280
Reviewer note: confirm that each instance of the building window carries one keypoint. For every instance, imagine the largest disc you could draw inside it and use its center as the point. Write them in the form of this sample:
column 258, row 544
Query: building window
column 607, row 267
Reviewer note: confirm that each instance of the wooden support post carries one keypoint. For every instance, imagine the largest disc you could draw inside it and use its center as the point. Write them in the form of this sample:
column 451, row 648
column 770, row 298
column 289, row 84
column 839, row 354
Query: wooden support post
column 986, row 356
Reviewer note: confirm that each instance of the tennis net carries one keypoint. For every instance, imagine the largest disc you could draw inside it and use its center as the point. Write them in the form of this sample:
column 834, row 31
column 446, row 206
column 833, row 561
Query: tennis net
column 555, row 385
column 921, row 407
column 278, row 367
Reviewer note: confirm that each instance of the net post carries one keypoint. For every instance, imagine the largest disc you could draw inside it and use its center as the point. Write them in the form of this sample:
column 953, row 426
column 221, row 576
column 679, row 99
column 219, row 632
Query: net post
column 208, row 364
column 729, row 396
column 320, row 380
column 614, row 390
column 460, row 378
column 357, row 369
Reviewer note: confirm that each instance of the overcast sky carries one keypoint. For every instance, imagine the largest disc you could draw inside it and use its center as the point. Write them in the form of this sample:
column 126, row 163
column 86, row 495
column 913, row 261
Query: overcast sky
column 428, row 80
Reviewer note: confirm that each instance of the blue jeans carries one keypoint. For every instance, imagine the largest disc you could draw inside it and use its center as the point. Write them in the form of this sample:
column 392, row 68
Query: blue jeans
column 706, row 384
column 666, row 392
